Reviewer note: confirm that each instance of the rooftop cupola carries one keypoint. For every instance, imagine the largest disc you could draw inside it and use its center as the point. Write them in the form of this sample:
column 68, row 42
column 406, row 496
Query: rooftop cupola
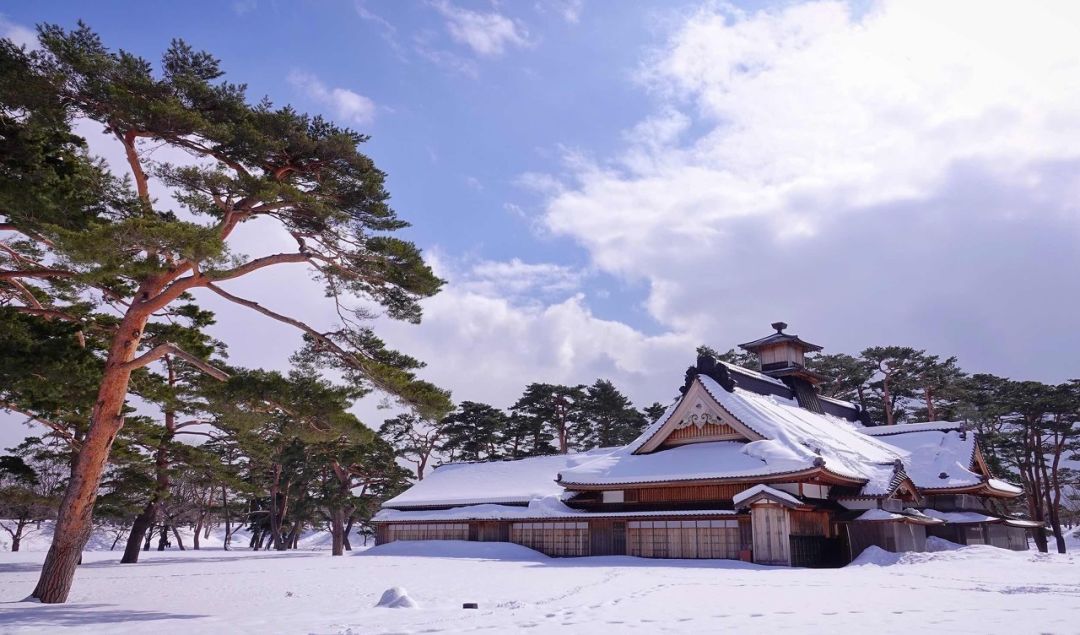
column 779, row 351
column 783, row 356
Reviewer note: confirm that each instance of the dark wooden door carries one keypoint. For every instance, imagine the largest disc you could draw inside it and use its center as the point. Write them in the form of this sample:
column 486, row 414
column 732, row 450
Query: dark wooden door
column 618, row 538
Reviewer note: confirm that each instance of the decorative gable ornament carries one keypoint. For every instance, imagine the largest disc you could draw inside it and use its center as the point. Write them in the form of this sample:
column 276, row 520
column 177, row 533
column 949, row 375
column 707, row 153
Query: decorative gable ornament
column 699, row 416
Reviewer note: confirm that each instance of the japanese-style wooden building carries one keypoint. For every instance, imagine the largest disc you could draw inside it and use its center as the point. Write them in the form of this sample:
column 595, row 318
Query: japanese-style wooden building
column 745, row 464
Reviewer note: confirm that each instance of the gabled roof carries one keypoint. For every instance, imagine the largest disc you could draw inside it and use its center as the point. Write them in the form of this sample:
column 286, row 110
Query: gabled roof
column 782, row 438
column 763, row 492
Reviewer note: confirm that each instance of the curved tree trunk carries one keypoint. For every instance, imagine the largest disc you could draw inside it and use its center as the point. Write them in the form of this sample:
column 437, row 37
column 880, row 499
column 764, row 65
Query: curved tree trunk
column 73, row 521
column 143, row 522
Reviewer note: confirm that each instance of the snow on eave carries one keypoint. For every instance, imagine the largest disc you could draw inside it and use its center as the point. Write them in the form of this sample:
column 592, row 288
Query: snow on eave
column 537, row 510
column 711, row 477
column 839, row 402
column 763, row 490
column 961, row 518
column 905, row 428
column 755, row 374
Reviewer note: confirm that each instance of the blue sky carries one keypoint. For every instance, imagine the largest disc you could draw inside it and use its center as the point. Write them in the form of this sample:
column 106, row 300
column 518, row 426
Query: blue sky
column 608, row 184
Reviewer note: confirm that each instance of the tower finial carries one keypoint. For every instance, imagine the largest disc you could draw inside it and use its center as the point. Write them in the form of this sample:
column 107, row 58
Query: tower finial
column 779, row 326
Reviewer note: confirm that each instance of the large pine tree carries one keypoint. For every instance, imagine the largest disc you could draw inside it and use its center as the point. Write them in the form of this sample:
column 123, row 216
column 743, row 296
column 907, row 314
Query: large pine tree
column 73, row 232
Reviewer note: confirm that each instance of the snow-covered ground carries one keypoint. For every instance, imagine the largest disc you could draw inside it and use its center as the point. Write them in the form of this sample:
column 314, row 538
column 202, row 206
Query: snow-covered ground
column 967, row 590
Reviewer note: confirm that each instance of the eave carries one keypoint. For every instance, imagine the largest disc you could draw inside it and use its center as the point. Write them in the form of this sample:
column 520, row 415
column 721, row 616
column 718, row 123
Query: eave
column 822, row 475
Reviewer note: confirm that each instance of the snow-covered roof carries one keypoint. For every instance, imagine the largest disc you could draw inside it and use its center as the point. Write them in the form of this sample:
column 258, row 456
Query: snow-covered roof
column 792, row 439
column 875, row 515
column 753, row 373
column 492, row 482
column 961, row 518
column 909, row 516
column 839, row 402
column 905, row 428
column 934, row 452
column 764, row 490
column 696, row 461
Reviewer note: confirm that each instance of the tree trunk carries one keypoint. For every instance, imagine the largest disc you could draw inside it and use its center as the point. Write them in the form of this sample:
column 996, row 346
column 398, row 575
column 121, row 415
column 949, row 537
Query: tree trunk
column 143, row 522
column 149, row 538
column 337, row 531
column 119, row 534
column 163, row 537
column 294, row 536
column 16, row 538
column 228, row 527
column 276, row 515
column 76, row 509
column 345, row 536
column 179, row 540
column 886, row 403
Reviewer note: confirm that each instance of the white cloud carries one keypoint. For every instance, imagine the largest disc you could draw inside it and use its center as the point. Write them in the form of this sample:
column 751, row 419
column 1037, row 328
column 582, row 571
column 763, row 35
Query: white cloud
column 487, row 34
column 514, row 278
column 17, row 33
column 568, row 10
column 244, row 7
column 801, row 157
column 487, row 348
column 345, row 104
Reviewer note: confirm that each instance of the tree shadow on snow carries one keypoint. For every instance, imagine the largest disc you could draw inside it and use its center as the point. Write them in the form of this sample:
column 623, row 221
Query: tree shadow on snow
column 21, row 567
column 56, row 615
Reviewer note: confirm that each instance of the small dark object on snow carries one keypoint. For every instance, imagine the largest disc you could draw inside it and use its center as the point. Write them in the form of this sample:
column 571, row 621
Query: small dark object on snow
column 943, row 475
column 470, row 605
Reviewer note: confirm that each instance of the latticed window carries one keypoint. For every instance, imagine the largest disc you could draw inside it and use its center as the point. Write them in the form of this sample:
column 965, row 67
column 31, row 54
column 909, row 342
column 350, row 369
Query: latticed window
column 553, row 538
column 683, row 538
column 429, row 531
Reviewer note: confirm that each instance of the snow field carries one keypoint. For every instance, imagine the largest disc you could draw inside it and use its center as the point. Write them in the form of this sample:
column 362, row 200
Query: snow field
column 961, row 590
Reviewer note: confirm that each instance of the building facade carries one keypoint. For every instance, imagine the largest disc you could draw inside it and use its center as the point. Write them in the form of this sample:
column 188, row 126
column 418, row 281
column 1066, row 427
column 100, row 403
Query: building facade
column 745, row 464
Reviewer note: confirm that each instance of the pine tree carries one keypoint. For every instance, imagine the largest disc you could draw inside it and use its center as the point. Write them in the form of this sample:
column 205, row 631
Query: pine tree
column 415, row 439
column 83, row 233
column 896, row 370
column 610, row 419
column 474, row 432
column 551, row 411
column 845, row 376
column 654, row 412
column 744, row 359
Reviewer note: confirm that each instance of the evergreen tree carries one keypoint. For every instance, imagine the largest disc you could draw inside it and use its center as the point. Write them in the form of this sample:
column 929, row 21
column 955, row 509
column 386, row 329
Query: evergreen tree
column 654, row 412
column 896, row 379
column 846, row 376
column 610, row 419
column 744, row 359
column 415, row 439
column 474, row 432
column 82, row 232
column 940, row 384
column 552, row 411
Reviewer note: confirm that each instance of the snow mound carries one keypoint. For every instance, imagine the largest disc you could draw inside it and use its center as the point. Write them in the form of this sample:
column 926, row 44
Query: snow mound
column 456, row 549
column 397, row 598
column 935, row 544
column 876, row 556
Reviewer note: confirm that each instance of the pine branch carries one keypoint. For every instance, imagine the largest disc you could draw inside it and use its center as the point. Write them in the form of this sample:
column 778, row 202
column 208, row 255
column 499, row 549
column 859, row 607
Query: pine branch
column 169, row 348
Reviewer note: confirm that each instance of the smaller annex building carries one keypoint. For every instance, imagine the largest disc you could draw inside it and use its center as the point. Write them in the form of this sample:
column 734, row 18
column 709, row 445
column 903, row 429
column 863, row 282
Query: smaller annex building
column 743, row 465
